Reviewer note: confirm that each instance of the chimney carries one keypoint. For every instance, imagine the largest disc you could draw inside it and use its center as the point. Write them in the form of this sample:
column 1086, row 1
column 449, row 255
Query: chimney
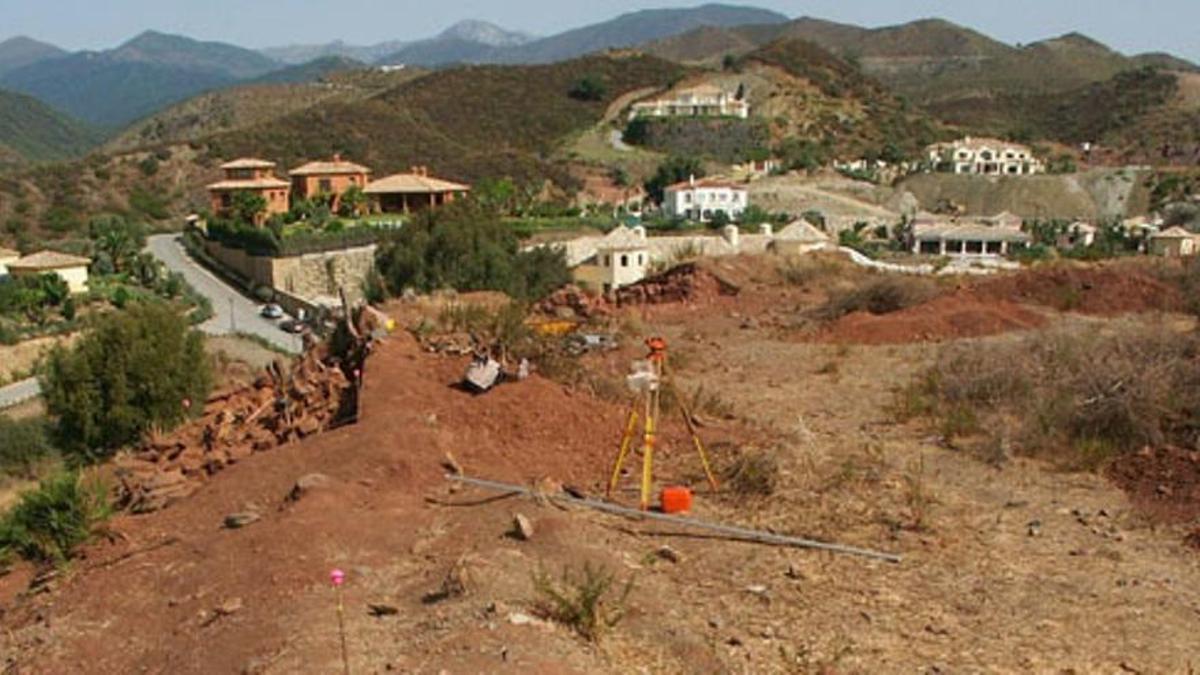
column 640, row 231
column 414, row 170
column 337, row 157
column 766, row 229
column 692, row 180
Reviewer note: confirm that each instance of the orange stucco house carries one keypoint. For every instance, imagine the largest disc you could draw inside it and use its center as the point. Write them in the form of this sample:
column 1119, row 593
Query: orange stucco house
column 413, row 191
column 250, row 175
column 331, row 178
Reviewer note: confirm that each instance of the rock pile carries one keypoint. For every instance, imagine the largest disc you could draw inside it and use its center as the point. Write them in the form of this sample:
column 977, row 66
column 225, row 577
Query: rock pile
column 276, row 410
column 572, row 302
column 683, row 283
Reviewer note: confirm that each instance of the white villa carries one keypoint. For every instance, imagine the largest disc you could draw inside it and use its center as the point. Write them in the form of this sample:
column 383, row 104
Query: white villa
column 984, row 157
column 974, row 237
column 7, row 256
column 700, row 200
column 700, row 101
column 626, row 255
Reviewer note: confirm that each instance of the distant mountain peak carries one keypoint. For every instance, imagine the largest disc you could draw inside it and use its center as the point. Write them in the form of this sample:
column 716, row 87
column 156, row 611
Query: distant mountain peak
column 483, row 32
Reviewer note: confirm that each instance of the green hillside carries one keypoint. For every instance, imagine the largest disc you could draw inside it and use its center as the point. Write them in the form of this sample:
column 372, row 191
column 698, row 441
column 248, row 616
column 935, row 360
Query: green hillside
column 465, row 123
column 31, row 130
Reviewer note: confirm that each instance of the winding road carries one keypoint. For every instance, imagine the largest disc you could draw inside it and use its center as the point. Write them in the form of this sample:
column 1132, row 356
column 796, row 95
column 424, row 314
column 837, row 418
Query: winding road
column 232, row 311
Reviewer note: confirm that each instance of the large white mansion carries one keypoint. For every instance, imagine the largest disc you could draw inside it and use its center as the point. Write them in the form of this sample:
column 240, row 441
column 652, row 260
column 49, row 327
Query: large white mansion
column 985, row 157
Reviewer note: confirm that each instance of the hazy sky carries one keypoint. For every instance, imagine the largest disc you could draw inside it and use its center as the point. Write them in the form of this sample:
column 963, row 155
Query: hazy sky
column 1131, row 26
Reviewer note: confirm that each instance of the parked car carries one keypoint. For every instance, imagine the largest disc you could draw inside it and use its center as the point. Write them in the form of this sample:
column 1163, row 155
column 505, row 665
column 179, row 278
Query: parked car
column 272, row 311
column 294, row 326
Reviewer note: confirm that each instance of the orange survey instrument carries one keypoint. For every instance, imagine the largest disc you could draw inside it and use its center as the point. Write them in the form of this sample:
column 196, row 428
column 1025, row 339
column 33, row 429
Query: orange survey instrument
column 647, row 381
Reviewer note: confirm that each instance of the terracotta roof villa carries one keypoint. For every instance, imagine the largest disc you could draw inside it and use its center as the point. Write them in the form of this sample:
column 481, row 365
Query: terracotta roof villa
column 72, row 269
column 413, row 191
column 250, row 175
column 332, row 177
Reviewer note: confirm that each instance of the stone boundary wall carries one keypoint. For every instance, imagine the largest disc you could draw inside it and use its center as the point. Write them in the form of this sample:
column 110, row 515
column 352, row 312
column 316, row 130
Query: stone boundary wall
column 307, row 276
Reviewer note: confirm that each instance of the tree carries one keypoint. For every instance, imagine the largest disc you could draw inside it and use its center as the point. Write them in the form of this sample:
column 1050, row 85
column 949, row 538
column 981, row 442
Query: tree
column 719, row 219
column 674, row 170
column 117, row 238
column 465, row 247
column 54, row 290
column 352, row 202
column 589, row 88
column 136, row 370
column 247, row 206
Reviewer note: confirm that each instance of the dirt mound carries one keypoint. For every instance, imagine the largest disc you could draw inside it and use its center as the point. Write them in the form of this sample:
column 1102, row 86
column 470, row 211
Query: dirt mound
column 949, row 317
column 573, row 302
column 1164, row 482
column 274, row 411
column 683, row 283
column 1107, row 290
column 1002, row 304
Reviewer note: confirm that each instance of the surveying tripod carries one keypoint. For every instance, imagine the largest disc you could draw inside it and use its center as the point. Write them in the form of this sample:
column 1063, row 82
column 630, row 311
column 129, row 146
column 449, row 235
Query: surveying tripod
column 647, row 382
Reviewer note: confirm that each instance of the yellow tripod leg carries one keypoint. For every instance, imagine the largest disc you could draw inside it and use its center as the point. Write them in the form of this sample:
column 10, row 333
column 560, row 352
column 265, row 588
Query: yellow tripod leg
column 691, row 427
column 648, row 449
column 626, row 441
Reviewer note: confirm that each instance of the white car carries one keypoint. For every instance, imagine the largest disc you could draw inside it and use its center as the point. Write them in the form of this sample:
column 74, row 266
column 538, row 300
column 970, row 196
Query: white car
column 272, row 311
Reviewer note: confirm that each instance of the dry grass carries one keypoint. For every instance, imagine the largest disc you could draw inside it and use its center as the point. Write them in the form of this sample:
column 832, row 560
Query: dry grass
column 582, row 600
column 1072, row 393
column 879, row 295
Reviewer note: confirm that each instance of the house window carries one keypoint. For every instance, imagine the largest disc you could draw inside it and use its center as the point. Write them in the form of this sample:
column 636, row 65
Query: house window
column 325, row 185
column 641, row 259
column 608, row 261
column 687, row 198
column 624, row 261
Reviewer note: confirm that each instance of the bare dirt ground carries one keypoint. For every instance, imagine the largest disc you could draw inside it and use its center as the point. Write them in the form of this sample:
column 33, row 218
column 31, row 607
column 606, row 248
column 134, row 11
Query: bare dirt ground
column 1007, row 567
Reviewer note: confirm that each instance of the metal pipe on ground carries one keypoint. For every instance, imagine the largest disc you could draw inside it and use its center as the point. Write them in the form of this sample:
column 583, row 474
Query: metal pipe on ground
column 732, row 531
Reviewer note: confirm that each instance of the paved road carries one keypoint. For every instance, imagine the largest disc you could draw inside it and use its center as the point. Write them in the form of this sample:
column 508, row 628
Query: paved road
column 617, row 138
column 233, row 312
column 19, row 392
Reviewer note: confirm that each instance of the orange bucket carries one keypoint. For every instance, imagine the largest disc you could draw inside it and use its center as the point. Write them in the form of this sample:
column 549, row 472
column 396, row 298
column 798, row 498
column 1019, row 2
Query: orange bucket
column 676, row 499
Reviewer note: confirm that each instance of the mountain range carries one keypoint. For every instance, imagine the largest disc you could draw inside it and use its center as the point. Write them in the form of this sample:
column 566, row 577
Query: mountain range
column 956, row 74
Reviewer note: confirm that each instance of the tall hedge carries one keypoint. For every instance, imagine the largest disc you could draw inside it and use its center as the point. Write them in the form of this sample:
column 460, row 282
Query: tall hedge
column 135, row 370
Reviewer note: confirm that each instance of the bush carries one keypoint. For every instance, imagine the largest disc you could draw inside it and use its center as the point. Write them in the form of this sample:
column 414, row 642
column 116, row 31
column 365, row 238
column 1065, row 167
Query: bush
column 24, row 446
column 752, row 474
column 49, row 524
column 468, row 249
column 1075, row 394
column 882, row 295
column 579, row 600
column 589, row 88
column 132, row 372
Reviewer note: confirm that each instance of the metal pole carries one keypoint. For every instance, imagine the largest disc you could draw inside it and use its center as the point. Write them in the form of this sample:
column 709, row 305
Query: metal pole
column 729, row 530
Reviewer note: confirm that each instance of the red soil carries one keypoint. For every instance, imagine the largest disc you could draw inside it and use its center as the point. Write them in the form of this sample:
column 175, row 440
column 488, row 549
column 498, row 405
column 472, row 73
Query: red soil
column 1009, row 303
column 1165, row 483
column 165, row 572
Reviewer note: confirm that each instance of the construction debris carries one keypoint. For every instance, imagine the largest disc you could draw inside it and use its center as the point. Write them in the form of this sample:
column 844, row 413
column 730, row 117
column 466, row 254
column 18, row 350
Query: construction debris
column 684, row 283
column 572, row 302
column 279, row 408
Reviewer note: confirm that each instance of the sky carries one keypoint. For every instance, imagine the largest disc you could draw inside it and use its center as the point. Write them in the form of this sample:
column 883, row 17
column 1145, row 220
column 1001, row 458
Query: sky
column 1131, row 27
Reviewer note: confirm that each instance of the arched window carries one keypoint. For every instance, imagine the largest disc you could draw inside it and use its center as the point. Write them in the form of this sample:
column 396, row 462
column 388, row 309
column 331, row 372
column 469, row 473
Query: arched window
column 624, row 260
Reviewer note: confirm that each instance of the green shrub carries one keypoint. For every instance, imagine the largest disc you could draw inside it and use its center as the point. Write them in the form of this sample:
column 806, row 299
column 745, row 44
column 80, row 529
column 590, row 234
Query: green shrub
column 133, row 371
column 468, row 249
column 580, row 600
column 49, row 524
column 24, row 446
